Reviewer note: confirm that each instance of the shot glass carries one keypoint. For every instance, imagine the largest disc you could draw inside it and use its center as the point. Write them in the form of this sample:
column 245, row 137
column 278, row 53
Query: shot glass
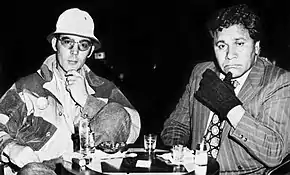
column 150, row 142
column 177, row 153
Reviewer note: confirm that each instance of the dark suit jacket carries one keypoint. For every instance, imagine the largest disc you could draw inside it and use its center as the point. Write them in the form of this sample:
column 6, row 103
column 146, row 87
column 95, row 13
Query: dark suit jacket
column 262, row 136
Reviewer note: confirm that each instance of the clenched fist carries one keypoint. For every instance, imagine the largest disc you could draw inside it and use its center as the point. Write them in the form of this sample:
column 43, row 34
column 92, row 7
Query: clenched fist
column 75, row 84
column 219, row 96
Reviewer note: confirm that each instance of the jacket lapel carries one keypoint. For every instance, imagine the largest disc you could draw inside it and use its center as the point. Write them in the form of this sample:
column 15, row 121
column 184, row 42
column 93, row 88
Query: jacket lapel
column 249, row 89
column 252, row 82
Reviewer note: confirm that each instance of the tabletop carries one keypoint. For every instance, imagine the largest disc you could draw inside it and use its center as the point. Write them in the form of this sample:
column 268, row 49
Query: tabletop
column 129, row 165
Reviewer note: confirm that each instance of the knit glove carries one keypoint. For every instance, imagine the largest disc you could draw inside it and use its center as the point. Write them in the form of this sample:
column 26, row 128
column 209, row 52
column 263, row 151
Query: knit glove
column 219, row 96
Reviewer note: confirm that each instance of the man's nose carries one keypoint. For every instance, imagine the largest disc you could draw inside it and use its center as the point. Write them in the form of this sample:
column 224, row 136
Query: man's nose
column 75, row 49
column 231, row 53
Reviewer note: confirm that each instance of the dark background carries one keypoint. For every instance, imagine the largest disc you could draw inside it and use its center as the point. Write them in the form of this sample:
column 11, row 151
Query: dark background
column 153, row 44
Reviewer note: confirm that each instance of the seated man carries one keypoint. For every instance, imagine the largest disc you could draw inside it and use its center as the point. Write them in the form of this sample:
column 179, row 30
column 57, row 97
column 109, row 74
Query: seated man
column 245, row 125
column 39, row 112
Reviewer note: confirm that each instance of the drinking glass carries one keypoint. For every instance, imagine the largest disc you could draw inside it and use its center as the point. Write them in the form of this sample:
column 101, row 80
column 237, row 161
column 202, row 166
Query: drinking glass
column 150, row 142
column 177, row 153
column 84, row 134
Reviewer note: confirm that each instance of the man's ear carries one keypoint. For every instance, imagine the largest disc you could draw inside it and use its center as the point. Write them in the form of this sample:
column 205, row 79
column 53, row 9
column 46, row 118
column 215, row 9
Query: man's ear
column 257, row 48
column 53, row 43
column 91, row 51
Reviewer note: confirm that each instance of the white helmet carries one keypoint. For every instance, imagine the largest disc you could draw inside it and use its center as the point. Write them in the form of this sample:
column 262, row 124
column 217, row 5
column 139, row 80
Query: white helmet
column 77, row 22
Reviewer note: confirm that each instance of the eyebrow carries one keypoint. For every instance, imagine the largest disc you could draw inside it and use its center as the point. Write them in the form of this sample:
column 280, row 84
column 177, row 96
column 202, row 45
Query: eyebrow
column 83, row 39
column 240, row 38
column 236, row 39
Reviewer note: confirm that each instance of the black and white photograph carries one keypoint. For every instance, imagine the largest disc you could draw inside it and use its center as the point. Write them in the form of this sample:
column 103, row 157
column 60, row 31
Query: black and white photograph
column 145, row 87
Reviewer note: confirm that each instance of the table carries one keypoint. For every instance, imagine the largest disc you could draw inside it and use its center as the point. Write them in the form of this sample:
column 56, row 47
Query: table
column 128, row 166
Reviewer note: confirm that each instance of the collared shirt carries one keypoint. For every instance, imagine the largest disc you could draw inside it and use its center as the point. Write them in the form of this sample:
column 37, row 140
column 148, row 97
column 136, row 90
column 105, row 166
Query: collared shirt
column 61, row 142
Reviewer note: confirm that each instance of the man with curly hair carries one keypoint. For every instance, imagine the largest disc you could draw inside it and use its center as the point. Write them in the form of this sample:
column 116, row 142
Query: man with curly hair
column 238, row 104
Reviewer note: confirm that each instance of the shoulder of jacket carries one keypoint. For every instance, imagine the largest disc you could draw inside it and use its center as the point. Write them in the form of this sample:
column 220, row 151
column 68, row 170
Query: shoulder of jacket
column 272, row 73
column 97, row 81
column 33, row 82
column 201, row 67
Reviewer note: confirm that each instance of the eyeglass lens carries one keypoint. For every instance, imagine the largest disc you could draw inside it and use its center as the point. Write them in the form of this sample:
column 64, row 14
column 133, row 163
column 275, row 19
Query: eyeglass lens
column 69, row 43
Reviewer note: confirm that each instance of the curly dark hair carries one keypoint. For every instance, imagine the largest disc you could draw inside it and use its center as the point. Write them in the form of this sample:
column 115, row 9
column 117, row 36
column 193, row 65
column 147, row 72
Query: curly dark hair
column 236, row 15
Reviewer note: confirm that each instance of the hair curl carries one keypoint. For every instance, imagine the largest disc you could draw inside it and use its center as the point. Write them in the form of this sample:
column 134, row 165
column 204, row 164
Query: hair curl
column 236, row 15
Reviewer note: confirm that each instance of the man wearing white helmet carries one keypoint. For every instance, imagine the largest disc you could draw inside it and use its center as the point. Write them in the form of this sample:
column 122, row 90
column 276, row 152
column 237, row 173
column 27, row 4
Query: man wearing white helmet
column 39, row 112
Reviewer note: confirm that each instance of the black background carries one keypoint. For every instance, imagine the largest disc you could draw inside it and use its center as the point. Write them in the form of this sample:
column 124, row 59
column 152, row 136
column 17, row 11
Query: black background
column 153, row 44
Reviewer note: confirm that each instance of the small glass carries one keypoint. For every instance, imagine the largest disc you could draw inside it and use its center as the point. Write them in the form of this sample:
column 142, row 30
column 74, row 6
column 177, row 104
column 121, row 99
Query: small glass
column 201, row 159
column 150, row 142
column 177, row 153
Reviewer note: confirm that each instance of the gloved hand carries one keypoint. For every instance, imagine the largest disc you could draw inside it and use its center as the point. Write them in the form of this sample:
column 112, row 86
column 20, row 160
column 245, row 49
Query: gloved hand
column 219, row 96
column 20, row 155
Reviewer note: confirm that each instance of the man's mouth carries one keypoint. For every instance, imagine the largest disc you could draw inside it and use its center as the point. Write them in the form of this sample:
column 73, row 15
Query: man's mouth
column 232, row 66
column 72, row 62
column 228, row 67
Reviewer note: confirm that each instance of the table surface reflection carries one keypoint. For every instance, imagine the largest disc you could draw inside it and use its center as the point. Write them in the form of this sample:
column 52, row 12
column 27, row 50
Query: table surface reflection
column 128, row 166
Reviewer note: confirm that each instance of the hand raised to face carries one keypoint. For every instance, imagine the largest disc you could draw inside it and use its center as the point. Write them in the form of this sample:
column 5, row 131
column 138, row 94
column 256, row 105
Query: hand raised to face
column 75, row 84
column 217, row 95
